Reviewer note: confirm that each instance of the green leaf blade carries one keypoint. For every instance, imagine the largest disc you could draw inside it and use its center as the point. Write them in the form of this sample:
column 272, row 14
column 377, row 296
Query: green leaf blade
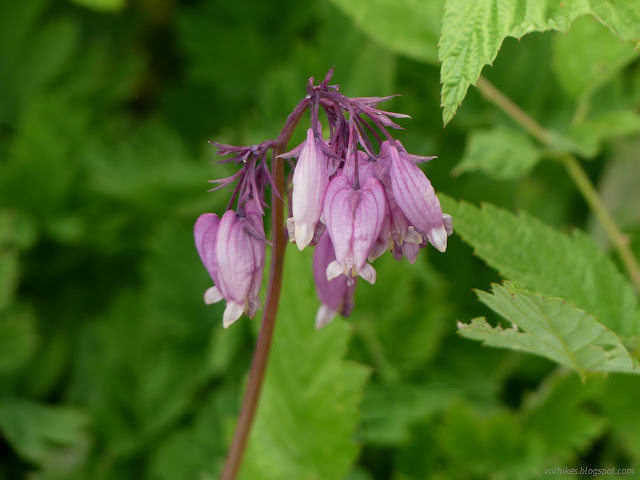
column 502, row 153
column 551, row 328
column 308, row 408
column 406, row 27
column 541, row 259
column 473, row 32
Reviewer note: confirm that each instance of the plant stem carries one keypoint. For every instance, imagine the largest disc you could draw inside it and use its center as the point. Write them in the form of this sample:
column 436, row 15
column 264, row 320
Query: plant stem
column 590, row 194
column 576, row 172
column 263, row 345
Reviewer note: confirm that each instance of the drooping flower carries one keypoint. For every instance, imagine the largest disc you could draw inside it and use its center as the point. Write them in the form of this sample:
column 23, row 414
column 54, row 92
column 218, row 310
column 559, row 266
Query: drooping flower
column 336, row 295
column 416, row 198
column 354, row 218
column 357, row 204
column 310, row 180
column 233, row 253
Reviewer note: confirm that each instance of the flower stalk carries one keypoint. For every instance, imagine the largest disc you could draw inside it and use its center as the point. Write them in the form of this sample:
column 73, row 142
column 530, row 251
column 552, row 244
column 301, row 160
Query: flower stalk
column 575, row 171
column 263, row 345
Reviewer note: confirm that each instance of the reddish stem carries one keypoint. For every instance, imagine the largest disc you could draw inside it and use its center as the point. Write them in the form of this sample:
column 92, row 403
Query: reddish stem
column 263, row 345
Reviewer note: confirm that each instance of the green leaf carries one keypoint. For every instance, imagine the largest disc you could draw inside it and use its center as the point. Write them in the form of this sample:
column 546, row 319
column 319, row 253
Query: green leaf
column 309, row 405
column 501, row 152
column 47, row 435
column 199, row 450
column 140, row 365
column 9, row 271
column 36, row 55
column 404, row 340
column 18, row 339
column 588, row 56
column 589, row 135
column 556, row 412
column 102, row 5
column 477, row 444
column 541, row 259
column 618, row 189
column 472, row 33
column 406, row 27
column 551, row 328
column 389, row 411
column 619, row 403
column 151, row 171
column 51, row 124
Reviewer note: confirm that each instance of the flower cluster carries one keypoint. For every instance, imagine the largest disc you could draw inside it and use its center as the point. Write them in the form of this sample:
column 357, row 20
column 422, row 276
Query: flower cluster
column 349, row 199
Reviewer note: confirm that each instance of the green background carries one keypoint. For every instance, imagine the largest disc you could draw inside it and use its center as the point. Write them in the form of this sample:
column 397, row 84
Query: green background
column 111, row 366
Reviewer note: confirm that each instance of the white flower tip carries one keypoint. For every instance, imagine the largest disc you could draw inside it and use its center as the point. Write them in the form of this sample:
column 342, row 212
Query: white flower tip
column 448, row 223
column 368, row 273
column 377, row 250
column 212, row 295
column 324, row 315
column 254, row 306
column 291, row 229
column 232, row 313
column 334, row 270
column 303, row 234
column 413, row 236
column 438, row 238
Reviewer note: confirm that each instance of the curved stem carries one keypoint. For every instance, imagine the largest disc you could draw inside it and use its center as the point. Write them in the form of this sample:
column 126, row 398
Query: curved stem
column 263, row 344
column 576, row 172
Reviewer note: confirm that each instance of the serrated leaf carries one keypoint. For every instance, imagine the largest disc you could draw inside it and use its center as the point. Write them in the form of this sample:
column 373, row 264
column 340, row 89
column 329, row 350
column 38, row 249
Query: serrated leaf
column 309, row 404
column 587, row 56
column 501, row 152
column 403, row 340
column 389, row 411
column 487, row 444
column 198, row 451
column 472, row 33
column 406, row 27
column 556, row 413
column 46, row 435
column 551, row 328
column 589, row 135
column 541, row 259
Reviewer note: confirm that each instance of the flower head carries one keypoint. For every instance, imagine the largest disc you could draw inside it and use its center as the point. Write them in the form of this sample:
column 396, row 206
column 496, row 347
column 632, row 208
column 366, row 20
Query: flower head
column 354, row 218
column 354, row 196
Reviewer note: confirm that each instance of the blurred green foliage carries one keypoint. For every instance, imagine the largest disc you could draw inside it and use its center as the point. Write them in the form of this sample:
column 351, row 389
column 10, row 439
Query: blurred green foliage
column 111, row 367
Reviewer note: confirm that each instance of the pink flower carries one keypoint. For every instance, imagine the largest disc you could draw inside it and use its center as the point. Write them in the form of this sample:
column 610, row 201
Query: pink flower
column 354, row 218
column 416, row 199
column 310, row 180
column 336, row 295
column 233, row 253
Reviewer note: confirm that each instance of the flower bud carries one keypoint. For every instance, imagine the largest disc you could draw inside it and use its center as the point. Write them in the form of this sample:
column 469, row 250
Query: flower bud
column 416, row 199
column 310, row 180
column 336, row 295
column 354, row 218
column 234, row 259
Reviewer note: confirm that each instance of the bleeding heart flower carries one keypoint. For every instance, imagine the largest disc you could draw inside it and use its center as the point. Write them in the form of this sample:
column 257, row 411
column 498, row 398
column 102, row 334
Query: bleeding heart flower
column 233, row 253
column 354, row 218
